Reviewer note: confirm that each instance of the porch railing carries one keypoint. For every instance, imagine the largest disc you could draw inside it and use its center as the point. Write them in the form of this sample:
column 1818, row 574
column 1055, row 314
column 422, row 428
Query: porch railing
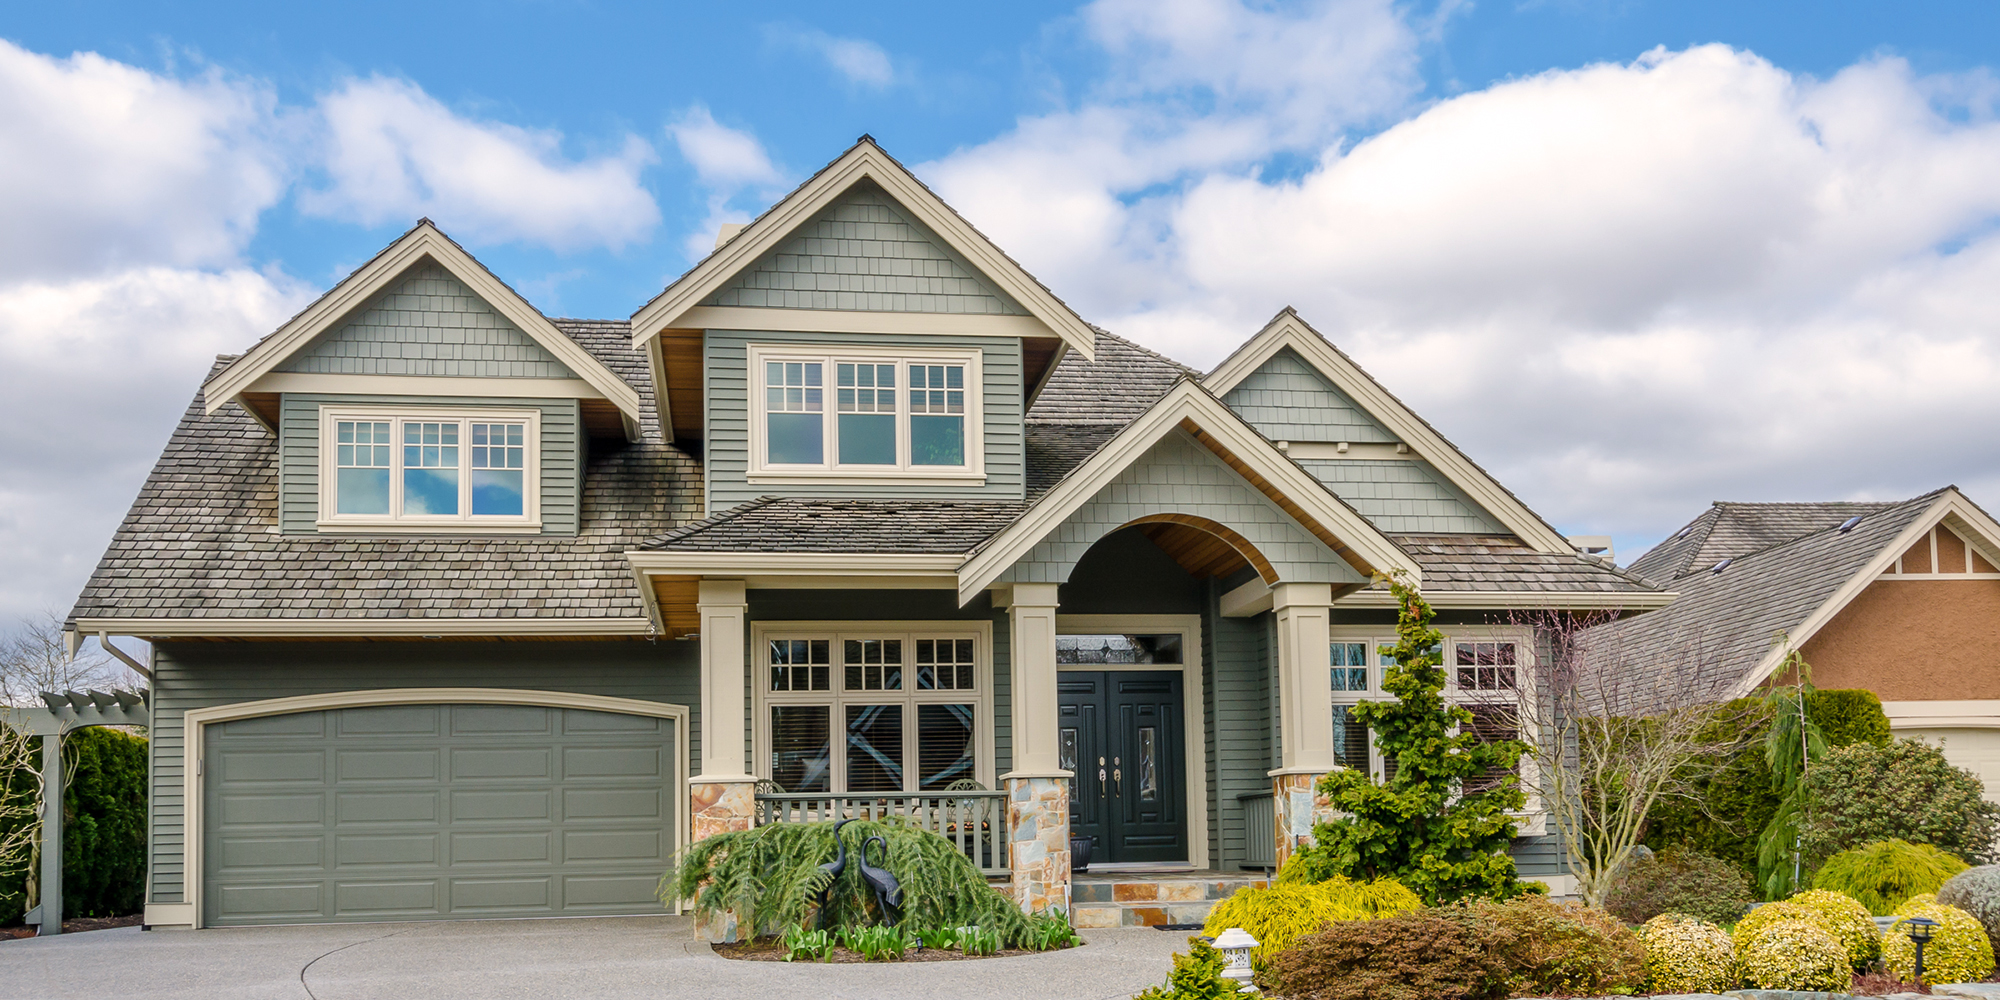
column 975, row 821
column 1260, row 820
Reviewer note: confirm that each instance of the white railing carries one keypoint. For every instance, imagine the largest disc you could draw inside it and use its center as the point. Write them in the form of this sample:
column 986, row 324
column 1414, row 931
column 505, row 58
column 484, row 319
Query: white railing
column 975, row 821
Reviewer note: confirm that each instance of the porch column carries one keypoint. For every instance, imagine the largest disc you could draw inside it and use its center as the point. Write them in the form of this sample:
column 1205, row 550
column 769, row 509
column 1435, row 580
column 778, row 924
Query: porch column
column 1305, row 712
column 724, row 794
column 1037, row 787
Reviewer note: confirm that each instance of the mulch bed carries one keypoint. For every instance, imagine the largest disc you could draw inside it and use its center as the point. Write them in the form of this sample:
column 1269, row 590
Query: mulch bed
column 768, row 949
column 75, row 926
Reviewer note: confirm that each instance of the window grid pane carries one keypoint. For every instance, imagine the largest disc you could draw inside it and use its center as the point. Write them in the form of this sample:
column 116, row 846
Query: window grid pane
column 1491, row 724
column 1485, row 666
column 801, row 664
column 1350, row 666
column 944, row 665
column 794, row 386
column 874, row 664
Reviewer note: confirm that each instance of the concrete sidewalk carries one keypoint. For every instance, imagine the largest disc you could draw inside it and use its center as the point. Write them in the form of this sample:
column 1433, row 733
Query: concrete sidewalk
column 584, row 959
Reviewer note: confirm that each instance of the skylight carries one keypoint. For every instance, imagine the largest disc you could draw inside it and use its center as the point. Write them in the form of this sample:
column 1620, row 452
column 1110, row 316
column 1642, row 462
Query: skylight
column 1848, row 525
column 1719, row 567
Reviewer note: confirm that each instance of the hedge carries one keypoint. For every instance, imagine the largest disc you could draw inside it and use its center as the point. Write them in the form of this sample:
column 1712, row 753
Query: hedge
column 104, row 828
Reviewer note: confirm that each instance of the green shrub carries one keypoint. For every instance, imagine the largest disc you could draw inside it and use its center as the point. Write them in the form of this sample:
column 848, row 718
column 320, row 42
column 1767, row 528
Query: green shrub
column 1958, row 952
column 1563, row 948
column 1796, row 955
column 1849, row 717
column 1976, row 891
column 1883, row 874
column 104, row 827
column 1197, row 975
column 1424, row 955
column 1281, row 914
column 1907, row 791
column 1757, row 920
column 1679, row 880
column 1847, row 920
column 1686, row 955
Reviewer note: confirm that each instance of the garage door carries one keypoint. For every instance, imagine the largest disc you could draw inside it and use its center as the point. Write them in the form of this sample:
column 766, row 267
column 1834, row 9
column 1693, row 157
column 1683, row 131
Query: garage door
column 1976, row 750
column 412, row 812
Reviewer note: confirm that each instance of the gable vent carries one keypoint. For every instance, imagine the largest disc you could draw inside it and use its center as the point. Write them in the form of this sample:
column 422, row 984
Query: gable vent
column 1719, row 567
column 1848, row 525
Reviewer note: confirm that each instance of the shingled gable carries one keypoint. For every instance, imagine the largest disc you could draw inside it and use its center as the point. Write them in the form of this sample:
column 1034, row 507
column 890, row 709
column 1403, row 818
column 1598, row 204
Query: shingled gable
column 1188, row 406
column 424, row 242
column 1289, row 330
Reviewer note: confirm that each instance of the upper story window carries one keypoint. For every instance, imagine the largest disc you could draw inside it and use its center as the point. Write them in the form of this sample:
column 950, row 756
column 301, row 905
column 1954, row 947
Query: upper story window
column 388, row 467
column 864, row 412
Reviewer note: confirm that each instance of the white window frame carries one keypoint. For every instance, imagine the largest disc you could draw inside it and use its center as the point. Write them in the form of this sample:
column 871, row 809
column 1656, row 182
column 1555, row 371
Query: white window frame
column 1532, row 818
column 763, row 471
column 528, row 521
column 837, row 698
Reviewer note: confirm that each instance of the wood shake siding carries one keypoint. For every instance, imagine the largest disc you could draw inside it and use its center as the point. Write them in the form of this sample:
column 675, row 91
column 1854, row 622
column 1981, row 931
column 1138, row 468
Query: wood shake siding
column 1288, row 399
column 1401, row 496
column 428, row 323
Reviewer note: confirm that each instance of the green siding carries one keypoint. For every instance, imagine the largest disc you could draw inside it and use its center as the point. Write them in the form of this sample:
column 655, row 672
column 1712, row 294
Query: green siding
column 298, row 469
column 1400, row 495
column 189, row 675
column 427, row 323
column 865, row 252
column 727, row 461
column 1287, row 399
column 1178, row 475
column 1240, row 747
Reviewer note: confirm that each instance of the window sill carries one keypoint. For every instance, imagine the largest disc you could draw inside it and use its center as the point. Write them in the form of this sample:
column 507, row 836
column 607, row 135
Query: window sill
column 418, row 528
column 804, row 478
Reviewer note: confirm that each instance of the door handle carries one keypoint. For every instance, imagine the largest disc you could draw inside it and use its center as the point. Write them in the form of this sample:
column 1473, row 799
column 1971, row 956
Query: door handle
column 1118, row 775
column 1101, row 787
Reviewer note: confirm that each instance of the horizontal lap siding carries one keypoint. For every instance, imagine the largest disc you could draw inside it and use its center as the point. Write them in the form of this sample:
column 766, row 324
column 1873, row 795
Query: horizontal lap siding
column 299, row 459
column 1239, row 728
column 727, row 461
column 204, row 675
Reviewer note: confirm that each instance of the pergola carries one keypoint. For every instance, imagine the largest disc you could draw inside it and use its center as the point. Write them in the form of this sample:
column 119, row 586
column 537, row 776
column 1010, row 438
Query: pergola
column 67, row 711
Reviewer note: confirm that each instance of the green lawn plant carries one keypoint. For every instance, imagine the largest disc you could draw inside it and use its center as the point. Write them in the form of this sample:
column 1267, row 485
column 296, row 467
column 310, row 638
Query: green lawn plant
column 1884, row 874
column 1679, row 880
column 803, row 945
column 1416, row 827
column 938, row 938
column 1959, row 950
column 1197, row 975
column 1686, row 955
column 1791, row 747
column 1050, row 930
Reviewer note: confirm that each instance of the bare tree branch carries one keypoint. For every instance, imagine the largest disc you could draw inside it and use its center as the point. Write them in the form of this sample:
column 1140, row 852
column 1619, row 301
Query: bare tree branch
column 34, row 659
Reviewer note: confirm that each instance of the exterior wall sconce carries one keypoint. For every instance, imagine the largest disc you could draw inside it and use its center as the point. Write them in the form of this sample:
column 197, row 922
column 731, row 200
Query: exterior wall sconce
column 1235, row 944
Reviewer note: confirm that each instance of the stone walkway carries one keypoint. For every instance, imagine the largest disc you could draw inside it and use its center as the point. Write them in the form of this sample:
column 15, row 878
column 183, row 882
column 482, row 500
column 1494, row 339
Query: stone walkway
column 584, row 959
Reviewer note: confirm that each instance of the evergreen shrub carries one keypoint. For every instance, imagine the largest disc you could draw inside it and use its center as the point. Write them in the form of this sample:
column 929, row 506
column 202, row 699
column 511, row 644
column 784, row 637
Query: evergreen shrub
column 1796, row 955
column 1958, row 952
column 1686, row 955
column 1279, row 915
column 1432, row 954
column 1756, row 921
column 104, row 827
column 1197, row 975
column 1976, row 891
column 1906, row 790
column 1679, row 880
column 1847, row 920
column 1883, row 874
column 1564, row 949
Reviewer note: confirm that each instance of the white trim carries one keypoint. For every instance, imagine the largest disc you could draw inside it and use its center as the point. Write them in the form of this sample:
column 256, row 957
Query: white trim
column 1983, row 713
column 1194, row 683
column 1350, row 451
column 863, row 160
column 851, row 582
column 1249, row 600
column 423, row 241
column 981, row 695
column 530, row 518
column 762, row 470
column 752, row 319
column 425, row 385
column 192, row 741
column 361, row 627
column 1287, row 329
column 1633, row 600
column 748, row 564
column 1185, row 401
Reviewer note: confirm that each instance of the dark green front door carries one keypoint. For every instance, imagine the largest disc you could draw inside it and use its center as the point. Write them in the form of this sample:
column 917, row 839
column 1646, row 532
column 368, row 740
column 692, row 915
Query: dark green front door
column 1121, row 735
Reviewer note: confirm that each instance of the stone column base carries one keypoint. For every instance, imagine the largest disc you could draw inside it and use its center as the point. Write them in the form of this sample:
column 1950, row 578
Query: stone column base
column 721, row 807
column 1297, row 806
column 1038, row 834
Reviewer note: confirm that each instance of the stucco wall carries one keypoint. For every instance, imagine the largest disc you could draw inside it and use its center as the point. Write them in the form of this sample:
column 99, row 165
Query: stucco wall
column 1914, row 640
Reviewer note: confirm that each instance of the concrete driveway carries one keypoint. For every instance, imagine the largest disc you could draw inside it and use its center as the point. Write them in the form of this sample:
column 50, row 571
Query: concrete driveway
column 583, row 959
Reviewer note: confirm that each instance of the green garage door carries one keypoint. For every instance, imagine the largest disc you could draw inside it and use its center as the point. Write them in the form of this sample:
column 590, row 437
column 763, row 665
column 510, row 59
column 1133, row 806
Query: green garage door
column 413, row 812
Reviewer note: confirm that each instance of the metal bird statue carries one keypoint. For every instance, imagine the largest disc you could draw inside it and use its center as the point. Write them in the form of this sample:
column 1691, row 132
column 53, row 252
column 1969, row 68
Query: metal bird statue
column 833, row 869
column 888, row 891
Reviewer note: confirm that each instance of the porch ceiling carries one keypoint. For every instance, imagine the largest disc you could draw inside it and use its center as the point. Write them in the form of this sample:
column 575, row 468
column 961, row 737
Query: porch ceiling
column 1200, row 552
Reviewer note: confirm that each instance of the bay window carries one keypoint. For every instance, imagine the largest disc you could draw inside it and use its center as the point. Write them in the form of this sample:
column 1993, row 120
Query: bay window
column 387, row 467
column 864, row 411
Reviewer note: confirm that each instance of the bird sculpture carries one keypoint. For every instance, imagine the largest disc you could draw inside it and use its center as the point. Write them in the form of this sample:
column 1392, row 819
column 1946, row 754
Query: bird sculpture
column 832, row 870
column 888, row 891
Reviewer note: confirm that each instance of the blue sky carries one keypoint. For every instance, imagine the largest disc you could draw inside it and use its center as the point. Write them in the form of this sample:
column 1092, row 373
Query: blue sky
column 1632, row 256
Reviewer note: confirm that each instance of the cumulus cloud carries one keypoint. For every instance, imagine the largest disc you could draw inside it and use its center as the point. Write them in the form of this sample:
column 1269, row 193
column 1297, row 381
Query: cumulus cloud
column 393, row 153
column 727, row 162
column 858, row 60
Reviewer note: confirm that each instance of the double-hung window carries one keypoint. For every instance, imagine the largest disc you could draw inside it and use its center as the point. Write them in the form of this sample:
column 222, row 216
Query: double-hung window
column 383, row 467
column 858, row 712
column 1486, row 679
column 1357, row 667
column 864, row 412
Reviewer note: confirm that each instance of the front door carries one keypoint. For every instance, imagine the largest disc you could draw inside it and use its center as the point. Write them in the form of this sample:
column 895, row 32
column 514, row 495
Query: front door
column 1121, row 736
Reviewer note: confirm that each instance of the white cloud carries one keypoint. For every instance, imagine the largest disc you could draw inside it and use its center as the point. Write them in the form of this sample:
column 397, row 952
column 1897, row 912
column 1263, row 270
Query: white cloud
column 727, row 162
column 857, row 60
column 393, row 153
column 107, row 166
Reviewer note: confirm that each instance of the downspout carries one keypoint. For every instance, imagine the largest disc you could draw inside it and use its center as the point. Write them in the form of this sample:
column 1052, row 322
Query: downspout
column 104, row 640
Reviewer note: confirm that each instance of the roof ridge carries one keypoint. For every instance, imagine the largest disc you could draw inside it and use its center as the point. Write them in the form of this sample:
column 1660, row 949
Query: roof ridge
column 696, row 527
column 1143, row 349
column 1886, row 507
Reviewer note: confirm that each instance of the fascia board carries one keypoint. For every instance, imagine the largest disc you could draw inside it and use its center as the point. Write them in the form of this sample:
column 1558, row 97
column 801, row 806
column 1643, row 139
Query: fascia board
column 1841, row 598
column 1186, row 400
column 376, row 275
column 361, row 627
column 656, row 368
column 864, row 161
column 795, row 563
column 1573, row 600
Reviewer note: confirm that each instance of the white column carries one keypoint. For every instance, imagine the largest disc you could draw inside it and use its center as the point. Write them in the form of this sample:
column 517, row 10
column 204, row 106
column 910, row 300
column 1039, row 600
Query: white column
column 1031, row 614
column 723, row 607
column 1305, row 686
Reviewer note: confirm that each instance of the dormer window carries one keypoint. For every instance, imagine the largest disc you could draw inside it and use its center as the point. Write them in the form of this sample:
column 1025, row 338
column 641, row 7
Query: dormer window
column 428, row 469
column 864, row 412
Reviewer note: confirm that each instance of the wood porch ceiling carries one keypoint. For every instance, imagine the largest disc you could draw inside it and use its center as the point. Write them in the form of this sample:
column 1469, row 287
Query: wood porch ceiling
column 1204, row 549
column 677, row 596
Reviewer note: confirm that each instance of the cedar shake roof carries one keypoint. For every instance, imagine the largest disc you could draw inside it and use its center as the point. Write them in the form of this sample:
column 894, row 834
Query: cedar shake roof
column 202, row 539
column 1505, row 563
column 1728, row 621
column 805, row 524
column 1121, row 384
column 1728, row 530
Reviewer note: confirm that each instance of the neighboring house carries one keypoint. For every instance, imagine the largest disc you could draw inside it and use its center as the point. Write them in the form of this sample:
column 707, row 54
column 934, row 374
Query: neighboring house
column 1902, row 599
column 457, row 610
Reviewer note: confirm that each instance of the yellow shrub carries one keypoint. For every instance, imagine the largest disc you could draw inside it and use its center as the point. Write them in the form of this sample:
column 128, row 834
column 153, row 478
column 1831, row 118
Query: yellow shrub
column 1685, row 955
column 1914, row 903
column 1796, row 955
column 1847, row 920
column 1958, row 952
column 1754, row 922
column 1283, row 913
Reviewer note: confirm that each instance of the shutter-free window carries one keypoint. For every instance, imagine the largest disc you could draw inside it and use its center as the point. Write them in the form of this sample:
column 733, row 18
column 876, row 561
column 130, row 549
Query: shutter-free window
column 794, row 400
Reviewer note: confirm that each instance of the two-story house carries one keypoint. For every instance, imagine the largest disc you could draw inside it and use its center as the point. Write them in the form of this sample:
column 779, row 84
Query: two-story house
column 457, row 610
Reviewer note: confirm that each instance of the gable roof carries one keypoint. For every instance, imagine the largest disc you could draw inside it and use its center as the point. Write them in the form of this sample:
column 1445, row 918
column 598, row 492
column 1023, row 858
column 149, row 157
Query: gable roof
column 1288, row 329
column 423, row 241
column 1738, row 624
column 1729, row 530
column 862, row 161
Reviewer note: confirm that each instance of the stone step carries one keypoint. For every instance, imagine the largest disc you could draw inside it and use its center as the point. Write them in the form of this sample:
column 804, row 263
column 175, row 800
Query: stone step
column 1152, row 899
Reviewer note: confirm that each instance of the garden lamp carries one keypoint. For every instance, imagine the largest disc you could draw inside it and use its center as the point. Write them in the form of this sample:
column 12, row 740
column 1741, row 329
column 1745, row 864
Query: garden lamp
column 1235, row 944
column 1919, row 929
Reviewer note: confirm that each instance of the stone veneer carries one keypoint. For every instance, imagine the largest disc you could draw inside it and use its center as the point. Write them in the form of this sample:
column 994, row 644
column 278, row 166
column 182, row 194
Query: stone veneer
column 1297, row 807
column 721, row 807
column 1038, row 851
